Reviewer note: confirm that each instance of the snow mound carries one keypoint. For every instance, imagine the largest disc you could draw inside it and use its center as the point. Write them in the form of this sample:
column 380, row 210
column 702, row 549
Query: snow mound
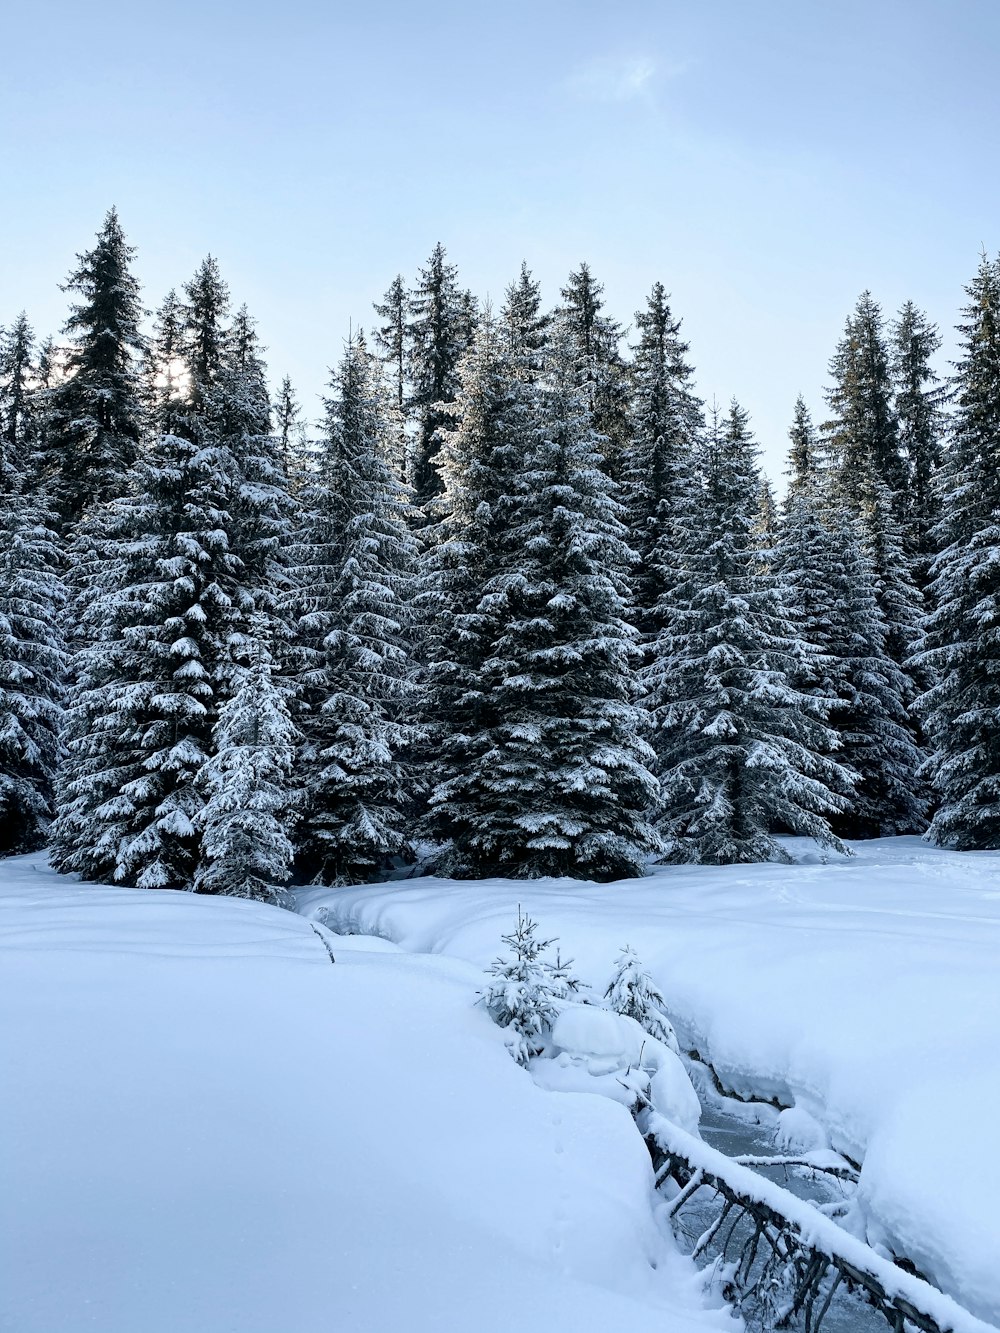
column 862, row 990
column 799, row 1131
column 208, row 1126
column 596, row 1050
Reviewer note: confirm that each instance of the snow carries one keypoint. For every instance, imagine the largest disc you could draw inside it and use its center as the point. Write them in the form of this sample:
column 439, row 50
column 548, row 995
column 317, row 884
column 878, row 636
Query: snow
column 596, row 1051
column 208, row 1127
column 861, row 991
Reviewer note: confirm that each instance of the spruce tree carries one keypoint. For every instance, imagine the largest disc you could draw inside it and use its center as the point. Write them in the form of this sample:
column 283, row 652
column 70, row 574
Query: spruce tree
column 633, row 994
column 864, row 430
column 355, row 565
column 601, row 370
column 522, row 995
column 767, row 514
column 744, row 753
column 439, row 335
column 16, row 393
column 871, row 473
column 525, row 322
column 806, row 458
column 262, row 510
column 829, row 590
column 32, row 659
column 658, row 467
column 94, row 413
column 919, row 404
column 173, row 576
column 290, row 431
column 480, row 461
column 562, row 786
column 393, row 340
column 249, row 799
column 962, row 652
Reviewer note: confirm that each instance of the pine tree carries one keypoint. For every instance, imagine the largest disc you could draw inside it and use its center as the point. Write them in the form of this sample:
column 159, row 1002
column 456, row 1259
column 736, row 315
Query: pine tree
column 172, row 578
column 94, row 414
column 520, row 995
column 480, row 461
column 393, row 340
column 262, row 510
column 744, row 754
column 165, row 365
column 633, row 994
column 658, row 480
column 355, row 567
column 32, row 660
column 806, row 458
column 767, row 514
column 439, row 335
column 157, row 611
column 291, row 437
column 919, row 404
column 871, row 472
column 864, row 430
column 16, row 393
column 247, row 782
column 562, row 786
column 525, row 322
column 963, row 632
column 601, row 371
column 828, row 587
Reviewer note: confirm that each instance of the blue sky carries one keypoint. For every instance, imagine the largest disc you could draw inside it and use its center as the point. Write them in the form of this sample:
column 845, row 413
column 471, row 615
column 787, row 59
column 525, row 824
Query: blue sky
column 767, row 160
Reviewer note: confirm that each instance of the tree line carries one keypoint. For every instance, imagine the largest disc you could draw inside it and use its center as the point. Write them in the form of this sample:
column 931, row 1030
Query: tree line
column 522, row 606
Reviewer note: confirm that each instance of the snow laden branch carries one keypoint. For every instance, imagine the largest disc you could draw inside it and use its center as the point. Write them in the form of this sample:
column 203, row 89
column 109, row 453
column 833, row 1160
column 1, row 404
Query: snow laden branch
column 790, row 1258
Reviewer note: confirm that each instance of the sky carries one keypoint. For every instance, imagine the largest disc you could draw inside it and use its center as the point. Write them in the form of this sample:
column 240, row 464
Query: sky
column 766, row 161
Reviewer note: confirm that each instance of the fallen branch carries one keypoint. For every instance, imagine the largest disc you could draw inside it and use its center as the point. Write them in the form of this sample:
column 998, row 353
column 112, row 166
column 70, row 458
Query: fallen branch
column 324, row 941
column 803, row 1249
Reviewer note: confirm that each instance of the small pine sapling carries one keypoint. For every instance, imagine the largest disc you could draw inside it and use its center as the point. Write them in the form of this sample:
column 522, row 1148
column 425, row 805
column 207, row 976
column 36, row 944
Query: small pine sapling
column 565, row 984
column 523, row 995
column 633, row 994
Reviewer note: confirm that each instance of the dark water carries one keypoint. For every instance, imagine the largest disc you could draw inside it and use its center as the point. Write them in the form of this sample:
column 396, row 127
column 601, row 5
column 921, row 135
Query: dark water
column 739, row 1129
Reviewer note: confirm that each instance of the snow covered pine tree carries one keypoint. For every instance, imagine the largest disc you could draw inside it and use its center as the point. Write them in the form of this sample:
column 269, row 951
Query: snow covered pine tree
column 355, row 563
column 32, row 657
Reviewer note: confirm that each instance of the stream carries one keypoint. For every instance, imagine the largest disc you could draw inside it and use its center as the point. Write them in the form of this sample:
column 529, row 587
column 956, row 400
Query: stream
column 748, row 1129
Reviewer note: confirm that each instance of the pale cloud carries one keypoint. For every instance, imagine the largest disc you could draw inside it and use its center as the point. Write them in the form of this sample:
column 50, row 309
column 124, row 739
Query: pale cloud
column 615, row 79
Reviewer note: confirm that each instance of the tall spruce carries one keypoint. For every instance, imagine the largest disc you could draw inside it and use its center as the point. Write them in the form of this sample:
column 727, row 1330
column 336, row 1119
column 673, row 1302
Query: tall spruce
column 657, row 469
column 480, row 461
column 829, row 589
column 94, row 413
column 744, row 752
column 963, row 632
column 173, row 577
column 871, row 471
column 919, row 404
column 32, row 659
column 290, row 429
column 601, row 369
column 525, row 321
column 562, row 785
column 355, row 566
column 17, row 376
column 806, row 457
column 393, row 341
column 439, row 333
column 863, row 429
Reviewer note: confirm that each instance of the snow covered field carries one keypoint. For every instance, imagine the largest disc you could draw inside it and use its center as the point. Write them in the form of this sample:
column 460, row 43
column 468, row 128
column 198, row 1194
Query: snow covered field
column 208, row 1127
column 864, row 991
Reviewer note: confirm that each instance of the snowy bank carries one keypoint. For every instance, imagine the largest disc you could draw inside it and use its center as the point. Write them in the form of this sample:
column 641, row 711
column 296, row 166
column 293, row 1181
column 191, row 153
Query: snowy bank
column 863, row 991
column 210, row 1127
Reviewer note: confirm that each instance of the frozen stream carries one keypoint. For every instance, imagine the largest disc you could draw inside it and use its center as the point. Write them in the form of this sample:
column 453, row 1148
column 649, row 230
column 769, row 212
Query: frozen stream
column 748, row 1129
